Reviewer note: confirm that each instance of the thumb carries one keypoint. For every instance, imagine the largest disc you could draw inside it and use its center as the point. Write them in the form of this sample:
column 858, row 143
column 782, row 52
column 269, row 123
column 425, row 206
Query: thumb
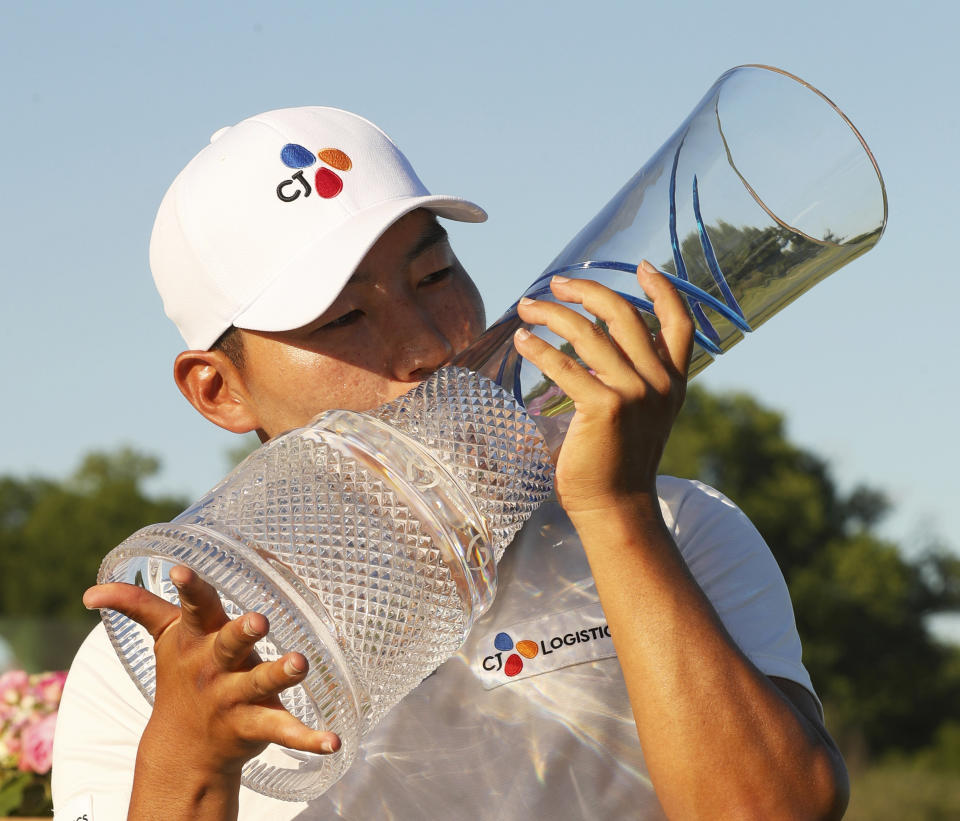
column 135, row 603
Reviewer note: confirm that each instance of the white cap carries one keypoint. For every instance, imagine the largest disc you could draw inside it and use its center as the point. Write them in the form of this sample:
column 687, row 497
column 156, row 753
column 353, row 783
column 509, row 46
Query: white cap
column 265, row 226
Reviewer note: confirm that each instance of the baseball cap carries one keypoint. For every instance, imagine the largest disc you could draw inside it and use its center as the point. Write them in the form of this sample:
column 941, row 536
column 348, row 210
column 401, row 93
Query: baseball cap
column 265, row 226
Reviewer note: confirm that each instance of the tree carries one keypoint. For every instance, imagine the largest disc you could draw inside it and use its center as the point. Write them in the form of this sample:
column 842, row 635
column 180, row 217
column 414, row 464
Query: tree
column 54, row 534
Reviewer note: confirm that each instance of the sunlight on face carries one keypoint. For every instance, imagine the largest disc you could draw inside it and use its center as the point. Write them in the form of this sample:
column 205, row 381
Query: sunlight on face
column 408, row 309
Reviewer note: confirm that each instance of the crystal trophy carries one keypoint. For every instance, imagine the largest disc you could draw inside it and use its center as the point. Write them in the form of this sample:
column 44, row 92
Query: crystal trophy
column 370, row 540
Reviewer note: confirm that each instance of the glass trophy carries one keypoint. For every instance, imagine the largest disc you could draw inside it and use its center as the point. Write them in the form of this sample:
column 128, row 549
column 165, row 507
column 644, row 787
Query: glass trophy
column 370, row 540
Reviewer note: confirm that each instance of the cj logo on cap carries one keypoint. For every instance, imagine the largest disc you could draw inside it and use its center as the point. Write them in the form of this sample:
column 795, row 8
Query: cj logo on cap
column 514, row 664
column 326, row 183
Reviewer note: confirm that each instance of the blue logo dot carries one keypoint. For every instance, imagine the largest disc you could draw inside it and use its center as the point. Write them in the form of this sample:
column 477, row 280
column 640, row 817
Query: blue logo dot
column 503, row 642
column 296, row 156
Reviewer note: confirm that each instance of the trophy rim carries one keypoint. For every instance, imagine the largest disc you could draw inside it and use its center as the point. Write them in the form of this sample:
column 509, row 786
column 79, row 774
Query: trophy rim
column 839, row 111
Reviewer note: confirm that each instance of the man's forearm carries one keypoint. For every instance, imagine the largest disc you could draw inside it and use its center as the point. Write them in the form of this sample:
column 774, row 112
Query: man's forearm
column 720, row 739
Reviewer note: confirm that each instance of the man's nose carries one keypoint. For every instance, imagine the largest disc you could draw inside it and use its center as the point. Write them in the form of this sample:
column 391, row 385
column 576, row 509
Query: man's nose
column 419, row 345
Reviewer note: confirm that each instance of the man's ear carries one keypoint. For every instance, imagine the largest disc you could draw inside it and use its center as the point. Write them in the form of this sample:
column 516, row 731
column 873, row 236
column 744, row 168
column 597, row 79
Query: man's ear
column 215, row 387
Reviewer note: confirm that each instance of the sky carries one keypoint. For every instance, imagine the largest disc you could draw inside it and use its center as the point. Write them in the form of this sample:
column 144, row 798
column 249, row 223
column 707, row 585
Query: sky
column 540, row 112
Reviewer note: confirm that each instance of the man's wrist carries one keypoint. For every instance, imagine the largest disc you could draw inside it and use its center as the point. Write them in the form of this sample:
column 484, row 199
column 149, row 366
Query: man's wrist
column 630, row 511
column 174, row 781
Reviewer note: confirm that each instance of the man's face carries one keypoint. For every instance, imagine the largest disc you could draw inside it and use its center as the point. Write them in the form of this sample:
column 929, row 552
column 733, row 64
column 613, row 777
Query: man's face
column 407, row 310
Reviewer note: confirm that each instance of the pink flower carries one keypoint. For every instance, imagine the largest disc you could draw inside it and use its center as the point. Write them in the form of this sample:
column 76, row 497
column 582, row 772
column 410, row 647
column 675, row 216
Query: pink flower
column 37, row 740
column 13, row 685
column 49, row 687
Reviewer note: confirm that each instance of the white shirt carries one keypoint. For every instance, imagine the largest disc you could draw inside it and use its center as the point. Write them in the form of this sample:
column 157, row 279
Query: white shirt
column 557, row 739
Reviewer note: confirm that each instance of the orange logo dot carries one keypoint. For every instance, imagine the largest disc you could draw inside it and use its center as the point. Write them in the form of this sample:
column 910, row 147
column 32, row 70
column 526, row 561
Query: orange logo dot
column 527, row 648
column 336, row 158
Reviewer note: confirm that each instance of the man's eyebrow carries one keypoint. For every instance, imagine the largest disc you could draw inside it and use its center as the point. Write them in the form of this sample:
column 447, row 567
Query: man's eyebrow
column 434, row 234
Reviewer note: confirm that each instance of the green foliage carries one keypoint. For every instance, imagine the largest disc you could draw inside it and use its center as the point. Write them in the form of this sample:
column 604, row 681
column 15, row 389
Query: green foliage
column 861, row 605
column 12, row 787
column 904, row 790
column 25, row 795
column 944, row 754
column 54, row 534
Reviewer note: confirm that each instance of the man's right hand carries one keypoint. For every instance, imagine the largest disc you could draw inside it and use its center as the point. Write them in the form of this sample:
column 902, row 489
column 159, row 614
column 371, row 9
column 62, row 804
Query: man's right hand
column 216, row 704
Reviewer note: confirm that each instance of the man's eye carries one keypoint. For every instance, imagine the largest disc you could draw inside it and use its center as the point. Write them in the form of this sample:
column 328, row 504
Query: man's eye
column 436, row 276
column 347, row 319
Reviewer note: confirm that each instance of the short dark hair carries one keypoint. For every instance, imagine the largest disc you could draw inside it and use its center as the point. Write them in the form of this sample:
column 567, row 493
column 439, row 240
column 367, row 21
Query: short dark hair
column 230, row 344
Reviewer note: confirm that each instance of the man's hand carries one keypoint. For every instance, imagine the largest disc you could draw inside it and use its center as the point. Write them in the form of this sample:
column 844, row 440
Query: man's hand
column 627, row 393
column 216, row 705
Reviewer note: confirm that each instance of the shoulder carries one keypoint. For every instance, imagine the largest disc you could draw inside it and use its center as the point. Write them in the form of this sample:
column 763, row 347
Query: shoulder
column 719, row 544
column 691, row 498
column 701, row 518
column 97, row 684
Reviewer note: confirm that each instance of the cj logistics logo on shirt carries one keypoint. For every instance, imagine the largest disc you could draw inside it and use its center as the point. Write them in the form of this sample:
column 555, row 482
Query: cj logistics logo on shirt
column 513, row 664
column 568, row 638
column 326, row 182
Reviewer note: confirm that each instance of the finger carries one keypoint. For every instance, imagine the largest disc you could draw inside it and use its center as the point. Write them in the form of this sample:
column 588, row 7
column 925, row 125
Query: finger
column 566, row 372
column 624, row 324
column 145, row 608
column 200, row 605
column 235, row 641
column 590, row 341
column 676, row 324
column 277, row 726
column 270, row 678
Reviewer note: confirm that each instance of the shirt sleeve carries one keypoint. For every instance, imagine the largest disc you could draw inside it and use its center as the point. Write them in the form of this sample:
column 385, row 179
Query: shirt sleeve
column 736, row 570
column 101, row 718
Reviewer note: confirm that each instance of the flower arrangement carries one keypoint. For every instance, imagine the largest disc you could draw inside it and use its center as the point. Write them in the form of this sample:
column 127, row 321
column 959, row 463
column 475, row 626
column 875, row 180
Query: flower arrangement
column 28, row 714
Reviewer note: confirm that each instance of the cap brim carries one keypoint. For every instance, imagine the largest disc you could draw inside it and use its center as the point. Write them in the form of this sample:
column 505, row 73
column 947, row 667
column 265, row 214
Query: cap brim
column 305, row 287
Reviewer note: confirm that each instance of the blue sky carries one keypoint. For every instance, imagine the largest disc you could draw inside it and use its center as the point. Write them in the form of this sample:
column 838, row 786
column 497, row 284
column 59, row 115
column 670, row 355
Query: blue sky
column 539, row 111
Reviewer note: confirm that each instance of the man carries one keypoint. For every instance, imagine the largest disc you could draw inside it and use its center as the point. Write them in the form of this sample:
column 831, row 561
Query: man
column 302, row 260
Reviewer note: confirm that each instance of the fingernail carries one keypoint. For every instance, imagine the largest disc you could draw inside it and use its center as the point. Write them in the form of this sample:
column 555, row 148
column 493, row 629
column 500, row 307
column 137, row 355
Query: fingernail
column 522, row 334
column 560, row 280
column 526, row 300
column 250, row 630
column 648, row 267
column 326, row 746
column 291, row 669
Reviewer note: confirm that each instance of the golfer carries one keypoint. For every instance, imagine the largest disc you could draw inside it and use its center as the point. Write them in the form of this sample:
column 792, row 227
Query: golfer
column 305, row 265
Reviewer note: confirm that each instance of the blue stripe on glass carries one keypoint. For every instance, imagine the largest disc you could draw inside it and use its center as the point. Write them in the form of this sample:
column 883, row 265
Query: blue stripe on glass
column 698, row 313
column 709, row 254
column 684, row 286
column 646, row 306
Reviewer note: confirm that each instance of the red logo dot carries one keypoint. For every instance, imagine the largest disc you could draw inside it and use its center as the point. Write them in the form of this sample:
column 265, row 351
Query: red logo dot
column 327, row 183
